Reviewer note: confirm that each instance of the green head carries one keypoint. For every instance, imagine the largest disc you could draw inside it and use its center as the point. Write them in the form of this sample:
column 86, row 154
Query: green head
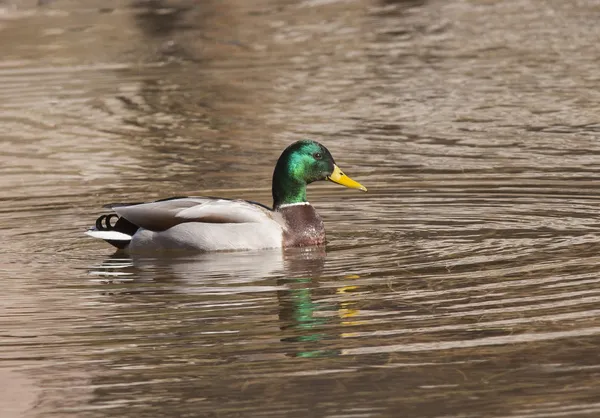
column 300, row 164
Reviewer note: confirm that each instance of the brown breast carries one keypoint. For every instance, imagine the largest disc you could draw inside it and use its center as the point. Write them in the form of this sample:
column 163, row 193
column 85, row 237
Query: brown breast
column 304, row 226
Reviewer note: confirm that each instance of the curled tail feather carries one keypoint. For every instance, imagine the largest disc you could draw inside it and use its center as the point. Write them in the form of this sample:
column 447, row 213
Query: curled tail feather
column 118, row 235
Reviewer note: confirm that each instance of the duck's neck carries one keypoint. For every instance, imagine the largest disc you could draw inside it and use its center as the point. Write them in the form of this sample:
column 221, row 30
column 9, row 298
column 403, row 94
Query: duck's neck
column 287, row 191
column 287, row 188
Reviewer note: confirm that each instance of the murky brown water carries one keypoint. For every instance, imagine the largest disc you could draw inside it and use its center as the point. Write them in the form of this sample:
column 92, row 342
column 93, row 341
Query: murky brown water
column 466, row 283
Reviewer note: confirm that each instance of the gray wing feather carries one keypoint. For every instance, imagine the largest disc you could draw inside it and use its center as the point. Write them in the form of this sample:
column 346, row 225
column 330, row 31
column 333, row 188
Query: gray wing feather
column 162, row 215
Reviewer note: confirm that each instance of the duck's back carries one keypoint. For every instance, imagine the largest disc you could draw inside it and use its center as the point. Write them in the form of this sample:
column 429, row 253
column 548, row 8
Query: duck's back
column 303, row 225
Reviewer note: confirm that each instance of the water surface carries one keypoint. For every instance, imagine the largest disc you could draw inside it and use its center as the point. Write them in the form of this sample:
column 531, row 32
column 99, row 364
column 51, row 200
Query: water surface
column 464, row 284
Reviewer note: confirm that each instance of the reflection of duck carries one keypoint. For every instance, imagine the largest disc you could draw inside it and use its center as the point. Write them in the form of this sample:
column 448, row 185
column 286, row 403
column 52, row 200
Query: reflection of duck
column 347, row 310
column 212, row 224
column 305, row 323
column 297, row 311
column 222, row 268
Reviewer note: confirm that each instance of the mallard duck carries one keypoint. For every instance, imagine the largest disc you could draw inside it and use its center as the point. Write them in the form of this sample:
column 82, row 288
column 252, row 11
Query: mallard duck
column 219, row 224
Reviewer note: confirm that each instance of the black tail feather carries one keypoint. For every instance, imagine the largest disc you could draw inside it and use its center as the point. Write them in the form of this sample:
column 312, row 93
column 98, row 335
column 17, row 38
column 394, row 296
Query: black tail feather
column 103, row 223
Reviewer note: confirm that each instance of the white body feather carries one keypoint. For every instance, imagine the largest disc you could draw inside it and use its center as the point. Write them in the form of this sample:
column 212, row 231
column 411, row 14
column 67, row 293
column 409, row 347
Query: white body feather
column 210, row 237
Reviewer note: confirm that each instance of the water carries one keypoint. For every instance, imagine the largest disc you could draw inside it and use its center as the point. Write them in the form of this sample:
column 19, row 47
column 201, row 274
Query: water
column 466, row 283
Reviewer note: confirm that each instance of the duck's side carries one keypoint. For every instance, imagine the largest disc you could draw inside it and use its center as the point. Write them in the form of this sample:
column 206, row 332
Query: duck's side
column 194, row 223
column 293, row 225
column 197, row 236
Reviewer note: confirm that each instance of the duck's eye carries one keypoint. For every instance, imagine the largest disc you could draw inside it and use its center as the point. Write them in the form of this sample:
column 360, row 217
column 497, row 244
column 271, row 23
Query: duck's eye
column 317, row 155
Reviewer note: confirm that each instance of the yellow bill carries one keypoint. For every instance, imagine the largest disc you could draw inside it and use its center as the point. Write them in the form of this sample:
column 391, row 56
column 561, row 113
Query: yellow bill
column 340, row 178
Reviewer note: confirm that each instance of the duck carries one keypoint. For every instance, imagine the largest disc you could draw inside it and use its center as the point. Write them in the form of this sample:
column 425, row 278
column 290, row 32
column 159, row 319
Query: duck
column 206, row 224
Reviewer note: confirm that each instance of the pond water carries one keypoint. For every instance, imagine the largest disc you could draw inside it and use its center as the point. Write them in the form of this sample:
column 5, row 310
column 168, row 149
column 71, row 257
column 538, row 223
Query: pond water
column 465, row 283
